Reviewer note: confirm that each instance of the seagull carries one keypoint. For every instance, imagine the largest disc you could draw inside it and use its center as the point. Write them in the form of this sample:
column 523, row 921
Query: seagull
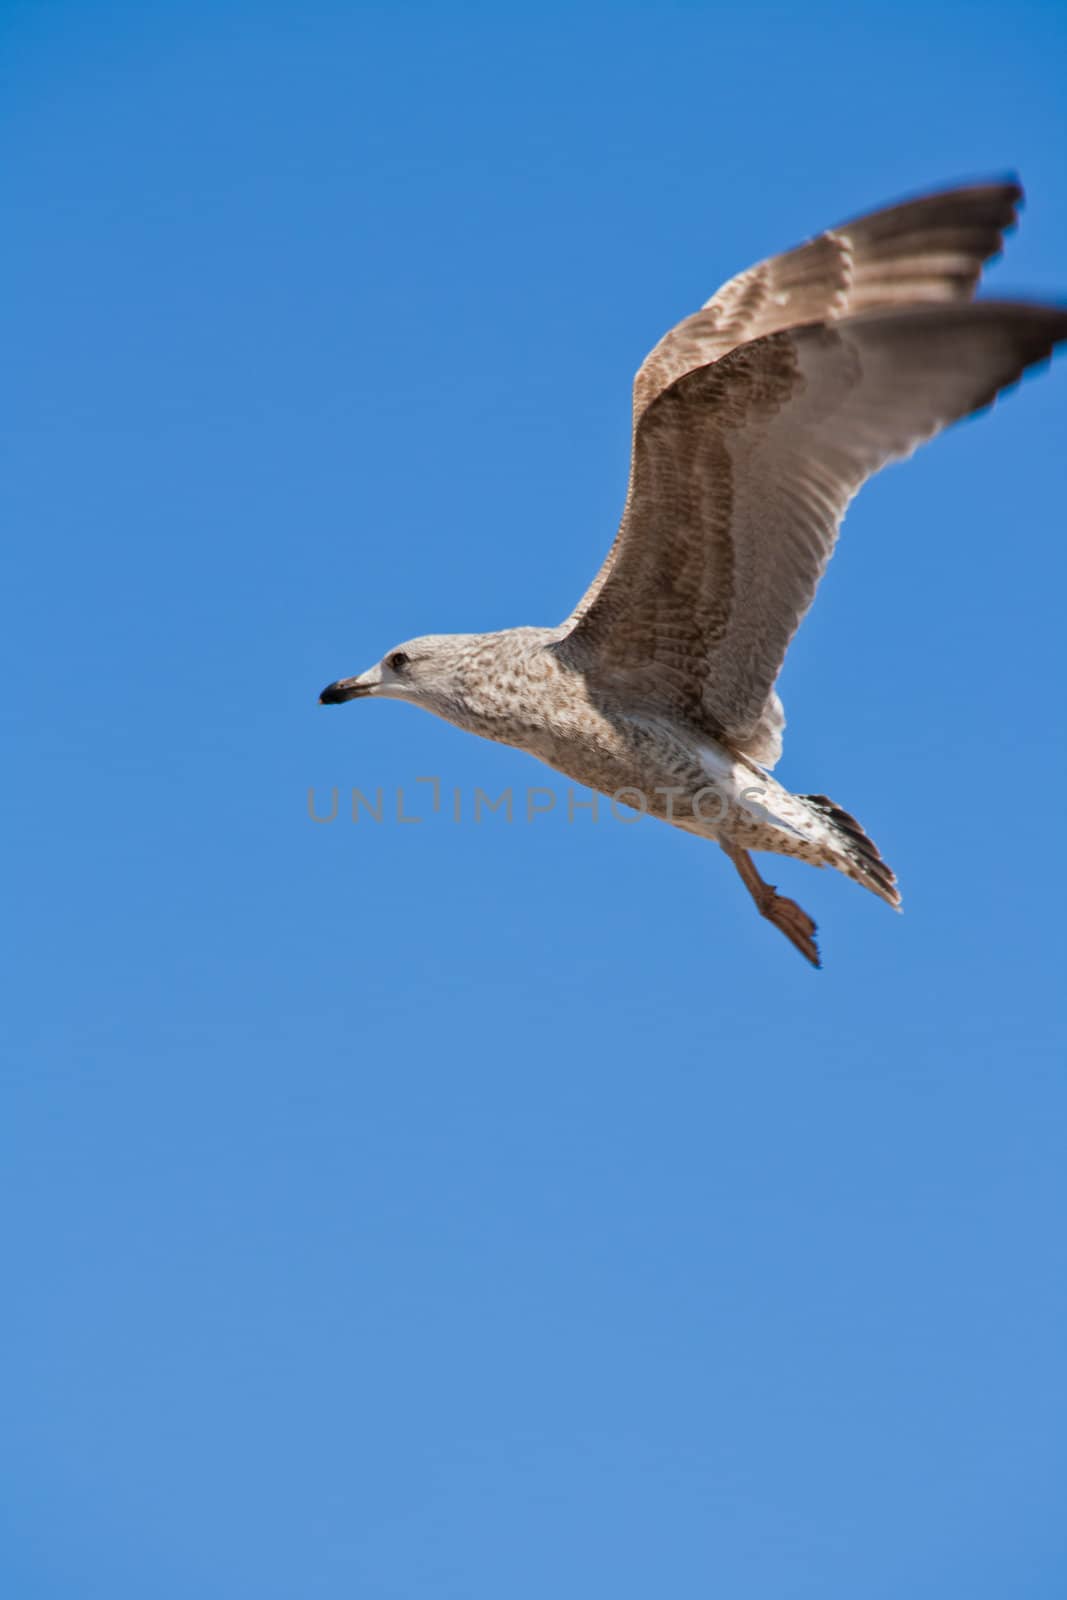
column 755, row 421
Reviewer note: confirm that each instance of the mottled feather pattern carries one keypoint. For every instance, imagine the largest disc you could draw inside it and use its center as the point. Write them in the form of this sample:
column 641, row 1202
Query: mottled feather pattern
column 755, row 422
column 743, row 468
column 925, row 250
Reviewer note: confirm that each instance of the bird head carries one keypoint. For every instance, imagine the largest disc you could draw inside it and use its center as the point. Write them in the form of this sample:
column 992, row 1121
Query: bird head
column 431, row 672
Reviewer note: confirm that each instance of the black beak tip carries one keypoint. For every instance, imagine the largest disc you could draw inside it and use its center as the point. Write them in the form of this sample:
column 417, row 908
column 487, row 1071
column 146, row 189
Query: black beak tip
column 335, row 694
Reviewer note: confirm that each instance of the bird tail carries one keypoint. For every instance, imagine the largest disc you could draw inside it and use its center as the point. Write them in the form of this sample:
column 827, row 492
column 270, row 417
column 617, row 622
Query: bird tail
column 851, row 851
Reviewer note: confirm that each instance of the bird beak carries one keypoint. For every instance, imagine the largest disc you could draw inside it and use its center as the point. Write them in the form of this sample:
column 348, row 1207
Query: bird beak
column 336, row 694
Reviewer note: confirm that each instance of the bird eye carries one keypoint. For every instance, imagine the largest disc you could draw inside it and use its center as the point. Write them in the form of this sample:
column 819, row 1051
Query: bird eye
column 397, row 660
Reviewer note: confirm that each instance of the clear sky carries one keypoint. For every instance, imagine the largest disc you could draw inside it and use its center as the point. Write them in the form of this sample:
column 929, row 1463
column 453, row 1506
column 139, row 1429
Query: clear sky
column 402, row 1210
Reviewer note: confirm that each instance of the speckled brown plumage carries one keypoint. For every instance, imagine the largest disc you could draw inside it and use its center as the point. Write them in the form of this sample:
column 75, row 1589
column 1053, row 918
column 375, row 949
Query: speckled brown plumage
column 755, row 422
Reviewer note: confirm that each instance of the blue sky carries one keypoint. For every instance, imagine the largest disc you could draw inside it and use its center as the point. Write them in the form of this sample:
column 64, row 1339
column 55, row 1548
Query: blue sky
column 467, row 1210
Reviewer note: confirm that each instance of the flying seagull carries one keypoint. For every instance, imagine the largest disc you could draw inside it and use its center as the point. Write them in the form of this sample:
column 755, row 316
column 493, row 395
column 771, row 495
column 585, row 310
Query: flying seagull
column 755, row 421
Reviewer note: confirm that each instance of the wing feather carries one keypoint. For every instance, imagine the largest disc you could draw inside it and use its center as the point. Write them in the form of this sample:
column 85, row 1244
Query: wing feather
column 742, row 471
column 928, row 250
column 923, row 251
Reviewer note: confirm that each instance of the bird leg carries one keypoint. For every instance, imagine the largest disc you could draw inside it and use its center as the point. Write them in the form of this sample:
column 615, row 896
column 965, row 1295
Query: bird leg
column 785, row 914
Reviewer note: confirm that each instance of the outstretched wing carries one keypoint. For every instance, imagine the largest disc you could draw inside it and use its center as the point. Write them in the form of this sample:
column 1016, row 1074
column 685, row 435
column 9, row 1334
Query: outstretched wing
column 741, row 474
column 922, row 252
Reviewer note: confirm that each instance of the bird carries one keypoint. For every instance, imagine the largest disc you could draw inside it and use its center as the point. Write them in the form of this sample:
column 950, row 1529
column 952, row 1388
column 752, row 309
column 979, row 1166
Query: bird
column 755, row 422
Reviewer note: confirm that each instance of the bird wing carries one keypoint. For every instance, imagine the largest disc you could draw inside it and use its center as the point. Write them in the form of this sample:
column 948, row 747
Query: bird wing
column 925, row 251
column 921, row 252
column 741, row 474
